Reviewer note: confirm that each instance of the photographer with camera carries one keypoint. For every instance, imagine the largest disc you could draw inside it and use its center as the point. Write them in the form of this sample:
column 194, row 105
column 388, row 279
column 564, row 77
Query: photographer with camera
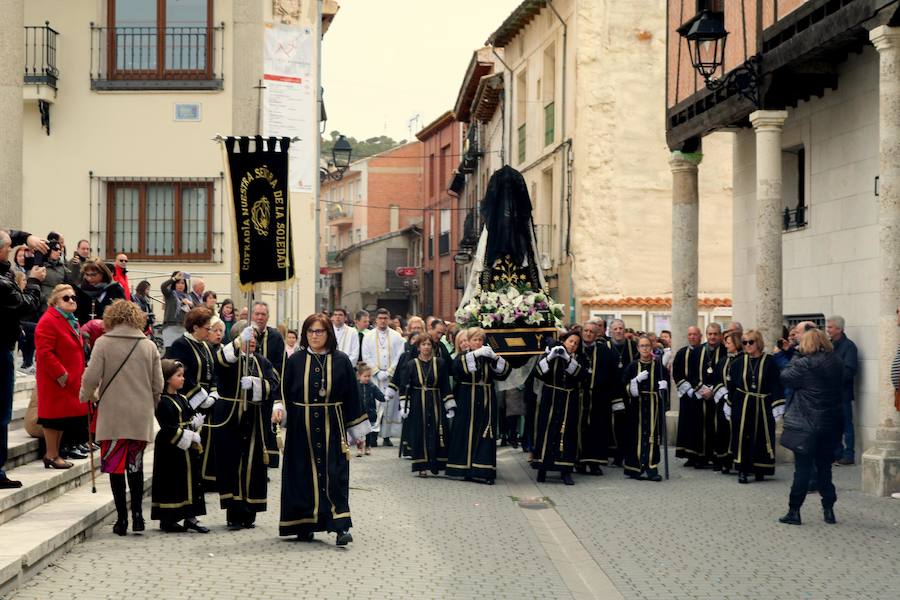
column 14, row 304
column 79, row 257
column 57, row 271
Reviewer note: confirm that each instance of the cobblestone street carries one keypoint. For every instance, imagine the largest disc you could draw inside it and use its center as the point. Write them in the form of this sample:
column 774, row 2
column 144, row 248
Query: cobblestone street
column 698, row 536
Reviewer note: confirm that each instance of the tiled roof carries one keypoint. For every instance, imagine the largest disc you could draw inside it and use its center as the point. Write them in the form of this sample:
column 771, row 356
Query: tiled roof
column 651, row 302
column 515, row 22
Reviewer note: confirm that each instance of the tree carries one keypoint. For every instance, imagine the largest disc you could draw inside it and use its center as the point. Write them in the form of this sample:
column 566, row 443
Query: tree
column 361, row 149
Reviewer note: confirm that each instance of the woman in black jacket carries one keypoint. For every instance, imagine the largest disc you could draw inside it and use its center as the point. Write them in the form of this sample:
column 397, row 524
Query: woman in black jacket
column 814, row 420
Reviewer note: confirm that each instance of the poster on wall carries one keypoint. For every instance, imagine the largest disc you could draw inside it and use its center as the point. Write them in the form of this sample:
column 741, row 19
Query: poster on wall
column 289, row 98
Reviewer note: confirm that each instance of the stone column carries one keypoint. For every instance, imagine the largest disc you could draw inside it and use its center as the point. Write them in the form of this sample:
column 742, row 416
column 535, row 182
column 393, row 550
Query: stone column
column 685, row 262
column 12, row 70
column 881, row 463
column 769, row 203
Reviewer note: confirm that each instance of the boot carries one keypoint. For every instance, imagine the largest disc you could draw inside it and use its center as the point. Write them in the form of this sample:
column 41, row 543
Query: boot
column 541, row 476
column 117, row 484
column 792, row 517
column 136, row 485
column 567, row 478
column 828, row 515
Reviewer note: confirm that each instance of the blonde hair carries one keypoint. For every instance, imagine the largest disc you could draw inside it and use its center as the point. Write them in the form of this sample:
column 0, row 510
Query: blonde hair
column 756, row 335
column 461, row 335
column 123, row 312
column 57, row 292
column 476, row 332
column 814, row 341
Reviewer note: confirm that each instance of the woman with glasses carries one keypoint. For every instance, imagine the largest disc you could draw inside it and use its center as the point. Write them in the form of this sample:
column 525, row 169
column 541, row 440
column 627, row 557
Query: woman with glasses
column 60, row 365
column 733, row 351
column 757, row 399
column 96, row 292
column 323, row 413
column 248, row 386
column 192, row 350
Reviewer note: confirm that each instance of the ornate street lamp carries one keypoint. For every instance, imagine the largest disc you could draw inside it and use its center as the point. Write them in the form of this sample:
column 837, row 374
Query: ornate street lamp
column 340, row 159
column 706, row 35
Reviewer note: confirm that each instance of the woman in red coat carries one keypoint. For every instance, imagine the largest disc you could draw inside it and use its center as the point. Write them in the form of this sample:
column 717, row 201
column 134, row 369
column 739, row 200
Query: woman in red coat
column 60, row 365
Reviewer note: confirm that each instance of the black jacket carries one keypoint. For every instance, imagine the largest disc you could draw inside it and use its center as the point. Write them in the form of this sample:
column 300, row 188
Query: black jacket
column 816, row 381
column 15, row 304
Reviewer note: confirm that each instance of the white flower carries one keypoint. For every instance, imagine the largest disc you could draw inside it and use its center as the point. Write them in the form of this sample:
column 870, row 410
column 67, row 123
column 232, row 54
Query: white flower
column 486, row 320
column 512, row 292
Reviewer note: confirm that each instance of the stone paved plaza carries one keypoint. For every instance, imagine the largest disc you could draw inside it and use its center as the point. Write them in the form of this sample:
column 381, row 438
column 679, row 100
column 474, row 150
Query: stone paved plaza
column 700, row 535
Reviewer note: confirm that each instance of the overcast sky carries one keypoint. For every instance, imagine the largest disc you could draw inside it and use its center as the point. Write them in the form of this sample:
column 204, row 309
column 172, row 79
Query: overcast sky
column 385, row 62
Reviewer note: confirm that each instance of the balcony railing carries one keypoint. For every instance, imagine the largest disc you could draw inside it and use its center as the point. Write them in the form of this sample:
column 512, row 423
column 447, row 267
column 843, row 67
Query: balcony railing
column 332, row 257
column 794, row 219
column 157, row 58
column 40, row 55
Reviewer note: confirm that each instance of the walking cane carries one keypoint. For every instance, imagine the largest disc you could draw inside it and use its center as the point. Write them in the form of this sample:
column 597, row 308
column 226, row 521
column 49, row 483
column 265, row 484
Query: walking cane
column 663, row 429
column 91, row 448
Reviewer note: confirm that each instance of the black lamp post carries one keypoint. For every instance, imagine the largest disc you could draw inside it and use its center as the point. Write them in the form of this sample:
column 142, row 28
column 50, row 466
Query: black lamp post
column 706, row 36
column 340, row 158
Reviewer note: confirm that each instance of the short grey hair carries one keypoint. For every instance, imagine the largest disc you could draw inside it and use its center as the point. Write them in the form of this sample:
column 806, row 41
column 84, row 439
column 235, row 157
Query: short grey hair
column 714, row 325
column 598, row 321
column 5, row 239
column 260, row 303
column 837, row 320
column 614, row 321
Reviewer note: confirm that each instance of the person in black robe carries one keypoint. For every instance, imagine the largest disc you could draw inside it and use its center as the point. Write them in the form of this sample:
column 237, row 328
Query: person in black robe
column 624, row 352
column 409, row 354
column 323, row 409
column 270, row 344
column 177, row 490
column 598, row 395
column 731, row 341
column 425, row 402
column 556, row 421
column 757, row 400
column 646, row 380
column 473, row 433
column 192, row 351
column 369, row 396
column 248, row 386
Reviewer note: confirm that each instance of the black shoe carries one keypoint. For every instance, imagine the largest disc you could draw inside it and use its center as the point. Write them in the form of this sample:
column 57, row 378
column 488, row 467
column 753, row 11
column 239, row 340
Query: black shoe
column 503, row 443
column 171, row 527
column 513, row 443
column 194, row 525
column 726, row 471
column 792, row 517
column 812, row 487
column 387, row 442
column 374, row 444
column 759, row 477
column 343, row 538
column 596, row 470
column 742, row 478
column 617, row 463
column 541, row 476
column 701, row 465
column 633, row 475
column 73, row 453
column 137, row 522
column 120, row 527
column 9, row 484
column 654, row 477
column 690, row 462
column 567, row 479
column 306, row 537
column 828, row 515
column 581, row 469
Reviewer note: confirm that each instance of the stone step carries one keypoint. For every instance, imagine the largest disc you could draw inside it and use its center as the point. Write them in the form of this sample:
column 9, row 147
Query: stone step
column 36, row 538
column 41, row 485
column 21, row 397
column 22, row 448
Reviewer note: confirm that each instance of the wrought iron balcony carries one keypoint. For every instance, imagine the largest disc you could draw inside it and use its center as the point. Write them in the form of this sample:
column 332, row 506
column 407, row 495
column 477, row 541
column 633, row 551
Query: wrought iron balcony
column 40, row 55
column 331, row 257
column 157, row 58
column 794, row 219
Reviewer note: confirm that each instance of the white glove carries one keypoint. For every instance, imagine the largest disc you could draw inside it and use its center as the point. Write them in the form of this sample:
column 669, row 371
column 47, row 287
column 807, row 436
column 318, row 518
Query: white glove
column 404, row 414
column 279, row 407
column 257, row 389
column 557, row 352
column 381, row 375
column 451, row 413
column 197, row 421
column 778, row 412
column 690, row 393
column 642, row 376
column 246, row 334
column 246, row 381
column 726, row 410
column 480, row 352
column 210, row 400
column 663, row 384
column 195, row 437
column 390, row 394
column 198, row 398
column 618, row 405
column 185, row 441
column 489, row 352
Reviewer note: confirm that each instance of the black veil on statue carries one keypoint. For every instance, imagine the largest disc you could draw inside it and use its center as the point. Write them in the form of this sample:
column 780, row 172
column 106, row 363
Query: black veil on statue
column 506, row 212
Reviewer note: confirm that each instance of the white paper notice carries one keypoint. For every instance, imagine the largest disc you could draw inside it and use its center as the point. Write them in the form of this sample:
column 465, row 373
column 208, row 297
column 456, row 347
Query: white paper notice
column 289, row 99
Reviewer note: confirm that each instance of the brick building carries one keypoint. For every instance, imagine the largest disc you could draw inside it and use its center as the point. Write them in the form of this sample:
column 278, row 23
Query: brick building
column 378, row 195
column 440, row 144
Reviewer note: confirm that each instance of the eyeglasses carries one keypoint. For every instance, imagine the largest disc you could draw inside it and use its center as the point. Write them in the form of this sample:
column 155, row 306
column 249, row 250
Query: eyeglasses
column 748, row 342
column 68, row 298
column 315, row 331
column 124, row 260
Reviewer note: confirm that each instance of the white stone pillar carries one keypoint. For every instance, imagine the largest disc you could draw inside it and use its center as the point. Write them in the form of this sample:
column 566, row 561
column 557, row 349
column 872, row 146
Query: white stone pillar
column 12, row 72
column 768, row 125
column 881, row 463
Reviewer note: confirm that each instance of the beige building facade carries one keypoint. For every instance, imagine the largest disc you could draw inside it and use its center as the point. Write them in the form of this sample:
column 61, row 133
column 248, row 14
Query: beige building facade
column 584, row 84
column 120, row 151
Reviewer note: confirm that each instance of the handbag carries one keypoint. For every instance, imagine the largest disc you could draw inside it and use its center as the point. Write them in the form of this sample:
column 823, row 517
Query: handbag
column 797, row 434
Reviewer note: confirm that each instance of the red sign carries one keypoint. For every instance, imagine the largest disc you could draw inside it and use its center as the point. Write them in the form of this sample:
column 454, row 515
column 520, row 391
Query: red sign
column 405, row 271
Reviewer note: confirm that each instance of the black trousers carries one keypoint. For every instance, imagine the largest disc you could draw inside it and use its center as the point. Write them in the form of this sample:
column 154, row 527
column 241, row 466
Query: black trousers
column 820, row 459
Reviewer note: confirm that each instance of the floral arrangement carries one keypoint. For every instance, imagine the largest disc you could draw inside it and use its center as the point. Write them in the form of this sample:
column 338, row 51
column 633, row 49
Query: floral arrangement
column 513, row 305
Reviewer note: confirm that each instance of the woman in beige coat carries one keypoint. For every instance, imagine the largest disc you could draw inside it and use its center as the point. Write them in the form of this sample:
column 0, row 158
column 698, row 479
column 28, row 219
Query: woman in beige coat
column 125, row 378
